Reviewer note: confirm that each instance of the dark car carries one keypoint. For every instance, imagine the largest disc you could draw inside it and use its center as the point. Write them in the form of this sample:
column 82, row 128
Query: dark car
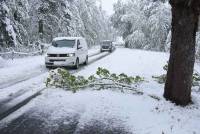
column 107, row 45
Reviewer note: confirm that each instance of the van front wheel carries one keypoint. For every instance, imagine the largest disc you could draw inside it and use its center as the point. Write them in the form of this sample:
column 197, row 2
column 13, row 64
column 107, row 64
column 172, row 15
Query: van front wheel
column 77, row 64
column 86, row 61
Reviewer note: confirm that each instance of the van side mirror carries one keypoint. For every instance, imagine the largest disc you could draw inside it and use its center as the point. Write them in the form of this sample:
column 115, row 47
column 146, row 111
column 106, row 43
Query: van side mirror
column 79, row 45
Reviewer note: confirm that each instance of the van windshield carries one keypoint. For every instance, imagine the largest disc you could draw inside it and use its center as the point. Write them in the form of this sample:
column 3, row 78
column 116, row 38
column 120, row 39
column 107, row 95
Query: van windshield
column 64, row 43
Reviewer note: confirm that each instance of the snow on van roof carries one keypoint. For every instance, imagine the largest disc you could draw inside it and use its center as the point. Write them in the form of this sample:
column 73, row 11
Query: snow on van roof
column 67, row 38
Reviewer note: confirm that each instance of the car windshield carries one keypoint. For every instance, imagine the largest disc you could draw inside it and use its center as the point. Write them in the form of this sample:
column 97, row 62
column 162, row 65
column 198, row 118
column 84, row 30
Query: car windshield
column 64, row 43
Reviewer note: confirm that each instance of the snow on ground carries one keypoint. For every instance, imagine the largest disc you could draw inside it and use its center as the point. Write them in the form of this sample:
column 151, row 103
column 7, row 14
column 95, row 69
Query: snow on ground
column 94, row 50
column 143, row 114
column 131, row 62
column 19, row 90
column 21, row 77
column 2, row 62
column 21, row 61
column 133, row 113
column 21, row 69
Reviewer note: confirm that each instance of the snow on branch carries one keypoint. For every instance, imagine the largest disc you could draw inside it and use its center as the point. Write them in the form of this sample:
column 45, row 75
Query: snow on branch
column 102, row 80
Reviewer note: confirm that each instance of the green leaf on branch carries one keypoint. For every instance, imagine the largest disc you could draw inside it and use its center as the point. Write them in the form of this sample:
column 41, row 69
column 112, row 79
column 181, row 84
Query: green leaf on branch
column 114, row 77
column 61, row 78
column 101, row 72
column 92, row 78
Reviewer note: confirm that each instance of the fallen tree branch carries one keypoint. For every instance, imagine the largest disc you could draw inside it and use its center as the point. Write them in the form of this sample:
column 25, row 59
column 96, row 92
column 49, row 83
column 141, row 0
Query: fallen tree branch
column 61, row 78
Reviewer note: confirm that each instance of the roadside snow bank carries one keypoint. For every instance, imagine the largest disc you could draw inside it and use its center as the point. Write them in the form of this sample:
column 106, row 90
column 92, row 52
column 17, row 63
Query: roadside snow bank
column 16, row 69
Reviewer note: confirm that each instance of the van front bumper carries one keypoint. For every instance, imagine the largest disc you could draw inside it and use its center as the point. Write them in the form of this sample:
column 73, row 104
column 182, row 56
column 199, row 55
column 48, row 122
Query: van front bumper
column 60, row 61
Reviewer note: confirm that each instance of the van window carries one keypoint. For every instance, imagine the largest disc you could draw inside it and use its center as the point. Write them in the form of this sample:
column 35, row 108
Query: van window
column 64, row 43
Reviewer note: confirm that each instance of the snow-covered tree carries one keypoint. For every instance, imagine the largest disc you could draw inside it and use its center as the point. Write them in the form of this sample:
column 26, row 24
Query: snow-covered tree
column 7, row 34
column 151, row 20
column 30, row 21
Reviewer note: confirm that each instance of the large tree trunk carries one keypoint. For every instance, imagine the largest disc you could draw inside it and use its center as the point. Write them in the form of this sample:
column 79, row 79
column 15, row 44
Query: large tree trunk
column 182, row 55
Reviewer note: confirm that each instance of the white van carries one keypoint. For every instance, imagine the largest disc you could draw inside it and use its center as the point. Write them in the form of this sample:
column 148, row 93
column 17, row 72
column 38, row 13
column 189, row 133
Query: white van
column 67, row 51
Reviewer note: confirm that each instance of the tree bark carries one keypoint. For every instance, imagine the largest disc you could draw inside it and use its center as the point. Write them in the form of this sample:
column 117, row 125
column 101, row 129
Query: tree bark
column 182, row 54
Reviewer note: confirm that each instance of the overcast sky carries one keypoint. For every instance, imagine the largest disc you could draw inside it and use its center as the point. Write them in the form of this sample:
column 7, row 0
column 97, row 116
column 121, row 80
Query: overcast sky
column 107, row 5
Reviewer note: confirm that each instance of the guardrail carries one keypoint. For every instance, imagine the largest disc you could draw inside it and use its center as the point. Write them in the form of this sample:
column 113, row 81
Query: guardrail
column 12, row 54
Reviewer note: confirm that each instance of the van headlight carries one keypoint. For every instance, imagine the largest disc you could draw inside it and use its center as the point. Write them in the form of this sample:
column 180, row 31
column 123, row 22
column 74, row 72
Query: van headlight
column 71, row 55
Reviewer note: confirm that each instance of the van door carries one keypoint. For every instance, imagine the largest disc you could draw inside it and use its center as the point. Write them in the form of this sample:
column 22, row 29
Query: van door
column 85, row 48
column 80, row 51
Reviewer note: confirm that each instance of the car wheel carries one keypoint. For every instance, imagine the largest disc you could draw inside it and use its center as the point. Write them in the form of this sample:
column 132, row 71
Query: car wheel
column 77, row 64
column 86, row 61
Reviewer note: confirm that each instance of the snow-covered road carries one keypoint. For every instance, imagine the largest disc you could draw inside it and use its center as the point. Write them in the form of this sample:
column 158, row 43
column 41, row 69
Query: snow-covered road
column 20, row 88
column 28, row 73
column 19, row 70
column 106, row 112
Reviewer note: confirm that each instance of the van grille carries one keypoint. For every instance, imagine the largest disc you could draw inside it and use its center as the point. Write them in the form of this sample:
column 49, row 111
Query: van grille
column 58, row 55
column 105, row 47
column 57, row 60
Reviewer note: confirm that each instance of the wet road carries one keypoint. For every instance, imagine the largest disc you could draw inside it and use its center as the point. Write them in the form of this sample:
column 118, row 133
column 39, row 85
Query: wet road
column 30, row 124
column 34, row 121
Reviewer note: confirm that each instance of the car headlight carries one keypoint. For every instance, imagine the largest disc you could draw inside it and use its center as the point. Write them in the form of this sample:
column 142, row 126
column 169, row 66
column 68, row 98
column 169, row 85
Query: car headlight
column 71, row 55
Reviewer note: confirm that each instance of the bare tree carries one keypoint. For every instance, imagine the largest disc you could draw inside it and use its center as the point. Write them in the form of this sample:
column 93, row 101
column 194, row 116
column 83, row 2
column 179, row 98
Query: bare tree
column 185, row 14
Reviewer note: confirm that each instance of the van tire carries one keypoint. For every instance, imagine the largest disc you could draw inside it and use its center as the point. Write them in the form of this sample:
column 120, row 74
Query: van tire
column 48, row 67
column 77, row 64
column 86, row 61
